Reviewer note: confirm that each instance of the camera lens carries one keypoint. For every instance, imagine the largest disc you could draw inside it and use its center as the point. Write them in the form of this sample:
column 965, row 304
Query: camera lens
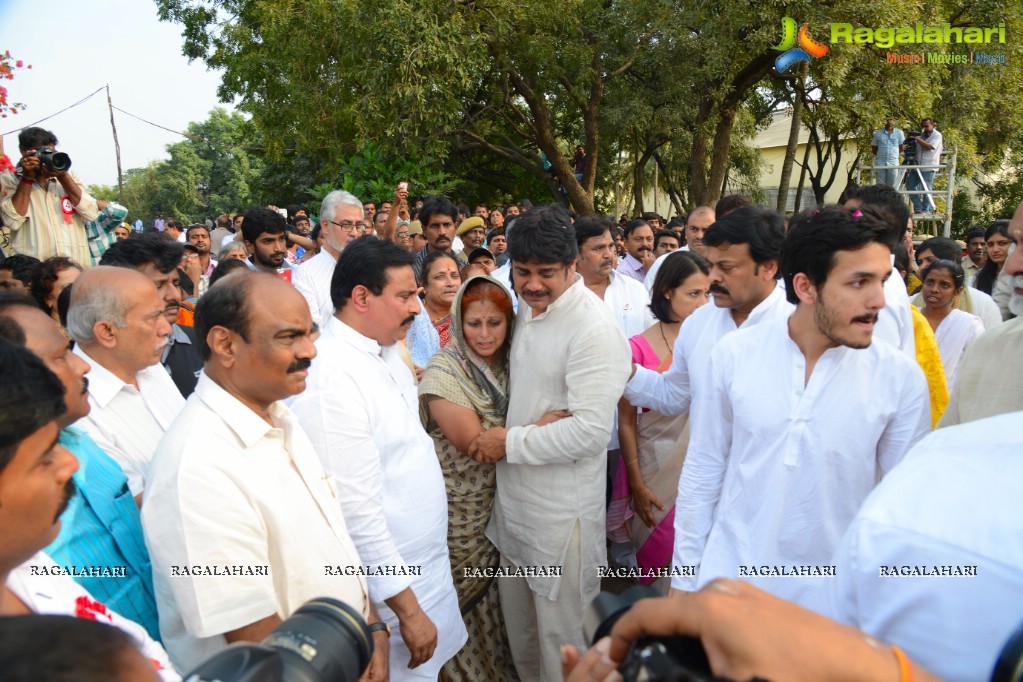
column 60, row 162
column 325, row 639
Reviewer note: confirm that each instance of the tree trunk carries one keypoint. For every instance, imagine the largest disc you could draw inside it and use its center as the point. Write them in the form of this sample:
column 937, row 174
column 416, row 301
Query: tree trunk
column 802, row 179
column 790, row 149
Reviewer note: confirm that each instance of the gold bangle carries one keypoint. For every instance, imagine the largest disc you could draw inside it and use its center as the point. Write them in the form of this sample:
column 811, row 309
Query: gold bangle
column 905, row 668
column 630, row 461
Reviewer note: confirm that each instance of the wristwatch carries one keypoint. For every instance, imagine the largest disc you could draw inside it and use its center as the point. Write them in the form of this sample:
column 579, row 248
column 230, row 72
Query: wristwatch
column 381, row 627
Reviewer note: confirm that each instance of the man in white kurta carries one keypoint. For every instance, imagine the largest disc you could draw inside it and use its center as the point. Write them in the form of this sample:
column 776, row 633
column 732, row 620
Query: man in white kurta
column 241, row 522
column 361, row 411
column 568, row 353
column 932, row 560
column 798, row 421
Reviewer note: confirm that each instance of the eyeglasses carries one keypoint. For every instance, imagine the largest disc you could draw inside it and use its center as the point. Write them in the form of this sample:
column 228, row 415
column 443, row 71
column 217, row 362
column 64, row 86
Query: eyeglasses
column 347, row 225
column 402, row 235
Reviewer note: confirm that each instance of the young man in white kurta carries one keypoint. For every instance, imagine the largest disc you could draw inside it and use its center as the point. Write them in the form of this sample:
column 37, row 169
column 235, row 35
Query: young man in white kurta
column 361, row 411
column 797, row 423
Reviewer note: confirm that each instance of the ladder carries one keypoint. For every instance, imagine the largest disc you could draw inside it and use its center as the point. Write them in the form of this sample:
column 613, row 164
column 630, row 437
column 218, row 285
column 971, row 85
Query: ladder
column 938, row 201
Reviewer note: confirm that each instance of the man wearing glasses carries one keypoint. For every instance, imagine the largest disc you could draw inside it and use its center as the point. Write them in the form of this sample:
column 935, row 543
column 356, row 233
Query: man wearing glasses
column 340, row 216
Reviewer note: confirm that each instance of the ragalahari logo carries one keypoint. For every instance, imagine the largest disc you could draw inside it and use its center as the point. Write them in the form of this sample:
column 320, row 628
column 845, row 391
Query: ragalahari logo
column 808, row 47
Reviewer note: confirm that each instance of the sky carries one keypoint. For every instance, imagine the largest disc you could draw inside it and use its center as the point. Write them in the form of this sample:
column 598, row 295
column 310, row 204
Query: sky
column 84, row 45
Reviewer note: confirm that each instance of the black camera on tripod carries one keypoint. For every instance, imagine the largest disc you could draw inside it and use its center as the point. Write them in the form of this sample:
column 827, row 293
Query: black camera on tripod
column 911, row 149
column 325, row 640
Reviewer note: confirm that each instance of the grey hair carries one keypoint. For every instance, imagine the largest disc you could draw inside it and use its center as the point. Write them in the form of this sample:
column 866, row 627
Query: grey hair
column 337, row 198
column 233, row 245
column 104, row 304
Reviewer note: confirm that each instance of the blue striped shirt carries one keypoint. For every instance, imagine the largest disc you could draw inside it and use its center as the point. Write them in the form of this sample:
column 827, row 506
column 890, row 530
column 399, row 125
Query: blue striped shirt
column 102, row 529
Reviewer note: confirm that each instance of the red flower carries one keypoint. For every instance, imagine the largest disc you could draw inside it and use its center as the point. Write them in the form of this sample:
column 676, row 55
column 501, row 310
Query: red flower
column 91, row 609
column 18, row 63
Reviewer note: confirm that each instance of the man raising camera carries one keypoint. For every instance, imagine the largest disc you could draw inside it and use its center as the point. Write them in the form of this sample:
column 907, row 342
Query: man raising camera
column 45, row 207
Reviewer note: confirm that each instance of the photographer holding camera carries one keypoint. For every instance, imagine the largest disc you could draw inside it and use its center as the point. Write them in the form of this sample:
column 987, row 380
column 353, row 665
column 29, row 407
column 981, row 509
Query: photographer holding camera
column 45, row 207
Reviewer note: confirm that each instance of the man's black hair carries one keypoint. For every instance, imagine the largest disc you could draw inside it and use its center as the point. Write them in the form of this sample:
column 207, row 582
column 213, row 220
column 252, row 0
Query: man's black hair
column 196, row 226
column 891, row 205
column 62, row 649
column 977, row 231
column 589, row 227
column 45, row 277
column 9, row 329
column 677, row 221
column 34, row 138
column 816, row 237
column 650, row 215
column 173, row 222
column 23, row 267
column 760, row 227
column 225, row 268
column 225, row 305
column 437, row 206
column 365, row 262
column 731, row 202
column 634, row 225
column 145, row 249
column 259, row 220
column 294, row 209
column 496, row 232
column 665, row 234
column 943, row 248
column 32, row 396
column 543, row 235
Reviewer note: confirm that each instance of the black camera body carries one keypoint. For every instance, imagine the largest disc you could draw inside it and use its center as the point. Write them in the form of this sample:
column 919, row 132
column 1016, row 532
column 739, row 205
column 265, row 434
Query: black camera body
column 55, row 162
column 911, row 148
column 650, row 659
column 325, row 640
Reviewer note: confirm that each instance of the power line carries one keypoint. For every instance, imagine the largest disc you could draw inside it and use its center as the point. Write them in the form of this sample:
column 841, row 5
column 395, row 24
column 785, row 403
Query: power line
column 71, row 106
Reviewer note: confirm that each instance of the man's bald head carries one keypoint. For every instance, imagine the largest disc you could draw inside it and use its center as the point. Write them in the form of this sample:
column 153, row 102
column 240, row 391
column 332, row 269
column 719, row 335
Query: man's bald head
column 104, row 293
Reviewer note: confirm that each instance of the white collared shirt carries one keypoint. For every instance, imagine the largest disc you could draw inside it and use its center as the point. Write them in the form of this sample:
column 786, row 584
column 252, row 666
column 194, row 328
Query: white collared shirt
column 673, row 392
column 312, row 279
column 128, row 422
column 776, row 469
column 574, row 356
column 230, row 490
column 629, row 301
column 361, row 411
column 895, row 321
column 954, row 503
column 40, row 587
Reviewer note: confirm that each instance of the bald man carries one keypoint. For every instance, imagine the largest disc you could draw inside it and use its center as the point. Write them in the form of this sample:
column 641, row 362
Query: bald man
column 116, row 317
column 699, row 220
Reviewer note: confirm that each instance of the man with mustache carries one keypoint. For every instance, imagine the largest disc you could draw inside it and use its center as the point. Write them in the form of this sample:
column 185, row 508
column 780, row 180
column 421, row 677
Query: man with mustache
column 119, row 322
column 235, row 482
column 439, row 218
column 102, row 526
column 799, row 419
column 639, row 250
column 35, row 488
column 568, row 353
column 625, row 297
column 157, row 258
column 361, row 411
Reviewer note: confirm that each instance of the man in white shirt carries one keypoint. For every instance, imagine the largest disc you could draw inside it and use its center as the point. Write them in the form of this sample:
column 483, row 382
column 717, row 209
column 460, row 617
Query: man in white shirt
column 117, row 319
column 568, row 353
column 929, row 147
column 931, row 562
column 361, row 411
column 699, row 220
column 743, row 249
column 339, row 214
column 626, row 298
column 799, row 419
column 895, row 324
column 236, row 483
column 35, row 489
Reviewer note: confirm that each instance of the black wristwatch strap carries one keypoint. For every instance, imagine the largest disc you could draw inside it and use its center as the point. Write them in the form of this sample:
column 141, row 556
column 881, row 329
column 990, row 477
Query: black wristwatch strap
column 380, row 627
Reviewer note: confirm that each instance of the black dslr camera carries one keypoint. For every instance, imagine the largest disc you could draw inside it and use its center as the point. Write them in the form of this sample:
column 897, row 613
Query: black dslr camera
column 56, row 162
column 325, row 640
column 650, row 659
column 911, row 148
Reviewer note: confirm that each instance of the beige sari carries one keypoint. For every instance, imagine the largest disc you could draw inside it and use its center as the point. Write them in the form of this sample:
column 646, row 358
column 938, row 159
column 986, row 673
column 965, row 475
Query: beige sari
column 458, row 375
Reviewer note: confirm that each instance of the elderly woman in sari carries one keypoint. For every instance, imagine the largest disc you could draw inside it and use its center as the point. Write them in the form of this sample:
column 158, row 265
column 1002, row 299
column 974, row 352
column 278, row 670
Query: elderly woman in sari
column 431, row 329
column 463, row 393
column 642, row 509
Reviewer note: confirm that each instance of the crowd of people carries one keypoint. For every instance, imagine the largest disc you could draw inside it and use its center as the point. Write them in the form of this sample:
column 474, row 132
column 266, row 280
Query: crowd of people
column 803, row 432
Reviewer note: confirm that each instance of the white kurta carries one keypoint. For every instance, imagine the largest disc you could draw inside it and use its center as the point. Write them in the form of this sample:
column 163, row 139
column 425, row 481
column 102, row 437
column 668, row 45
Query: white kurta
column 312, row 279
column 776, row 470
column 990, row 378
column 673, row 392
column 361, row 411
column 895, row 321
column 629, row 302
column 574, row 356
column 955, row 334
column 228, row 489
column 128, row 422
column 954, row 503
column 60, row 595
